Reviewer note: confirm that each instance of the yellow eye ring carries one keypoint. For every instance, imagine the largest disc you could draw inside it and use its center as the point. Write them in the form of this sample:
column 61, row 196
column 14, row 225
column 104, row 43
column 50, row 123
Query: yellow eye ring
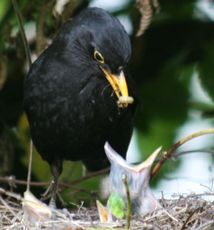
column 98, row 56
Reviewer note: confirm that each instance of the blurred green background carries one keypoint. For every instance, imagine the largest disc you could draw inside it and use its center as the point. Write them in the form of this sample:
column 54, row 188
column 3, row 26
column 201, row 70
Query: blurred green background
column 176, row 51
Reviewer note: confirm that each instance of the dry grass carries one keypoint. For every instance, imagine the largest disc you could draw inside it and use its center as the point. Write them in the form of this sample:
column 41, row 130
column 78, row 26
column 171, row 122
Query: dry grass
column 190, row 212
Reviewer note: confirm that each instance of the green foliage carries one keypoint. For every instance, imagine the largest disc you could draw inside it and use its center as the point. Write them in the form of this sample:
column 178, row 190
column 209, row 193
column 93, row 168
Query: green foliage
column 86, row 192
column 116, row 205
column 4, row 5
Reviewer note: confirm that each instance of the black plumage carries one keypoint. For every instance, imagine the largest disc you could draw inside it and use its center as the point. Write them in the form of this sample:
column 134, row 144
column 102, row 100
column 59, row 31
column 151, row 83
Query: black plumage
column 71, row 93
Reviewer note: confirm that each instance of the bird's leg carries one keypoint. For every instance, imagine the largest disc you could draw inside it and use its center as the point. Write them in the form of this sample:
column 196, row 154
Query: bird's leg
column 56, row 169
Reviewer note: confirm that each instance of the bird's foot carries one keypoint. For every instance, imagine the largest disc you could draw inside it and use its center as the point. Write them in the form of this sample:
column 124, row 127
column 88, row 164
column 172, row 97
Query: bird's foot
column 48, row 191
column 52, row 203
column 49, row 194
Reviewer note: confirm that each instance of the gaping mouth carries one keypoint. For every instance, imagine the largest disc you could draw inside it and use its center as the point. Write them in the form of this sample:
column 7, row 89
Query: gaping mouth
column 119, row 85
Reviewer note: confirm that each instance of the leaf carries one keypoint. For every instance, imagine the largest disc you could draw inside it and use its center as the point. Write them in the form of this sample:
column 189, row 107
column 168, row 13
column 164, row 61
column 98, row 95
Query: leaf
column 116, row 205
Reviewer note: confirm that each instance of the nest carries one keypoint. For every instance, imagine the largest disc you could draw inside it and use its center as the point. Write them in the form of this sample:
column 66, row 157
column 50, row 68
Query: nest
column 184, row 212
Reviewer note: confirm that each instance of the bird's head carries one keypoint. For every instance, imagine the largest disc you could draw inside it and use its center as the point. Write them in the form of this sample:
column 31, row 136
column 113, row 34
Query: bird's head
column 103, row 47
column 137, row 177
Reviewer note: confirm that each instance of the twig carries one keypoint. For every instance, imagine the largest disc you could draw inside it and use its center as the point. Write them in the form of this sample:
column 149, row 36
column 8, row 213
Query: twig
column 128, row 213
column 7, row 206
column 209, row 151
column 23, row 35
column 89, row 176
column 168, row 154
column 170, row 215
column 30, row 165
column 206, row 225
column 10, row 194
column 187, row 220
column 189, row 217
column 28, row 57
column 63, row 185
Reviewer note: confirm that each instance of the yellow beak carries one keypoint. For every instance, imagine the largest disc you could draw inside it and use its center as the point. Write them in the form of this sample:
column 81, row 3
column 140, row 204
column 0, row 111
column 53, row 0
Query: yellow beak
column 119, row 85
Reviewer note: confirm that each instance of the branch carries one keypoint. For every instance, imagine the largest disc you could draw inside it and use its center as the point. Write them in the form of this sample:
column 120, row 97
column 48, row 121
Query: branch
column 177, row 155
column 28, row 57
column 22, row 32
column 11, row 180
column 168, row 154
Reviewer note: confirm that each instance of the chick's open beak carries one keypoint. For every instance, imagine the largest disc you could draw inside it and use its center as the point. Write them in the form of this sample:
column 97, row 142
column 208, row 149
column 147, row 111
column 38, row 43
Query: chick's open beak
column 119, row 85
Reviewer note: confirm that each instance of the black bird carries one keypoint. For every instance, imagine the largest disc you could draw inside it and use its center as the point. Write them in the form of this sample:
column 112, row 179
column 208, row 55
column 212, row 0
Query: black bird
column 76, row 95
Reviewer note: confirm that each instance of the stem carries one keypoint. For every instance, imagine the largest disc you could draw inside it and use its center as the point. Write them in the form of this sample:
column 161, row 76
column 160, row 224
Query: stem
column 61, row 185
column 29, row 166
column 169, row 153
column 28, row 57
column 22, row 32
column 128, row 213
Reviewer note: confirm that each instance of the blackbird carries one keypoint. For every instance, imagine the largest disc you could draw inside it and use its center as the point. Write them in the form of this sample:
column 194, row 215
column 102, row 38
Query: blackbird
column 78, row 94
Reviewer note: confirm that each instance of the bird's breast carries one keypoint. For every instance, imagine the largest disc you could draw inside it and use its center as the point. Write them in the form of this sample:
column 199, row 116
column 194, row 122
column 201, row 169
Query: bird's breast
column 71, row 120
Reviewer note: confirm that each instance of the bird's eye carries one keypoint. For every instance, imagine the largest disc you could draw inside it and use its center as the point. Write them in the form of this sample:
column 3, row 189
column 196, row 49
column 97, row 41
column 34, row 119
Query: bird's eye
column 98, row 56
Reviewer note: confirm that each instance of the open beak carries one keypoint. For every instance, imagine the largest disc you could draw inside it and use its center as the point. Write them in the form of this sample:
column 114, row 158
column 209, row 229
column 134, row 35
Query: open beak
column 119, row 85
